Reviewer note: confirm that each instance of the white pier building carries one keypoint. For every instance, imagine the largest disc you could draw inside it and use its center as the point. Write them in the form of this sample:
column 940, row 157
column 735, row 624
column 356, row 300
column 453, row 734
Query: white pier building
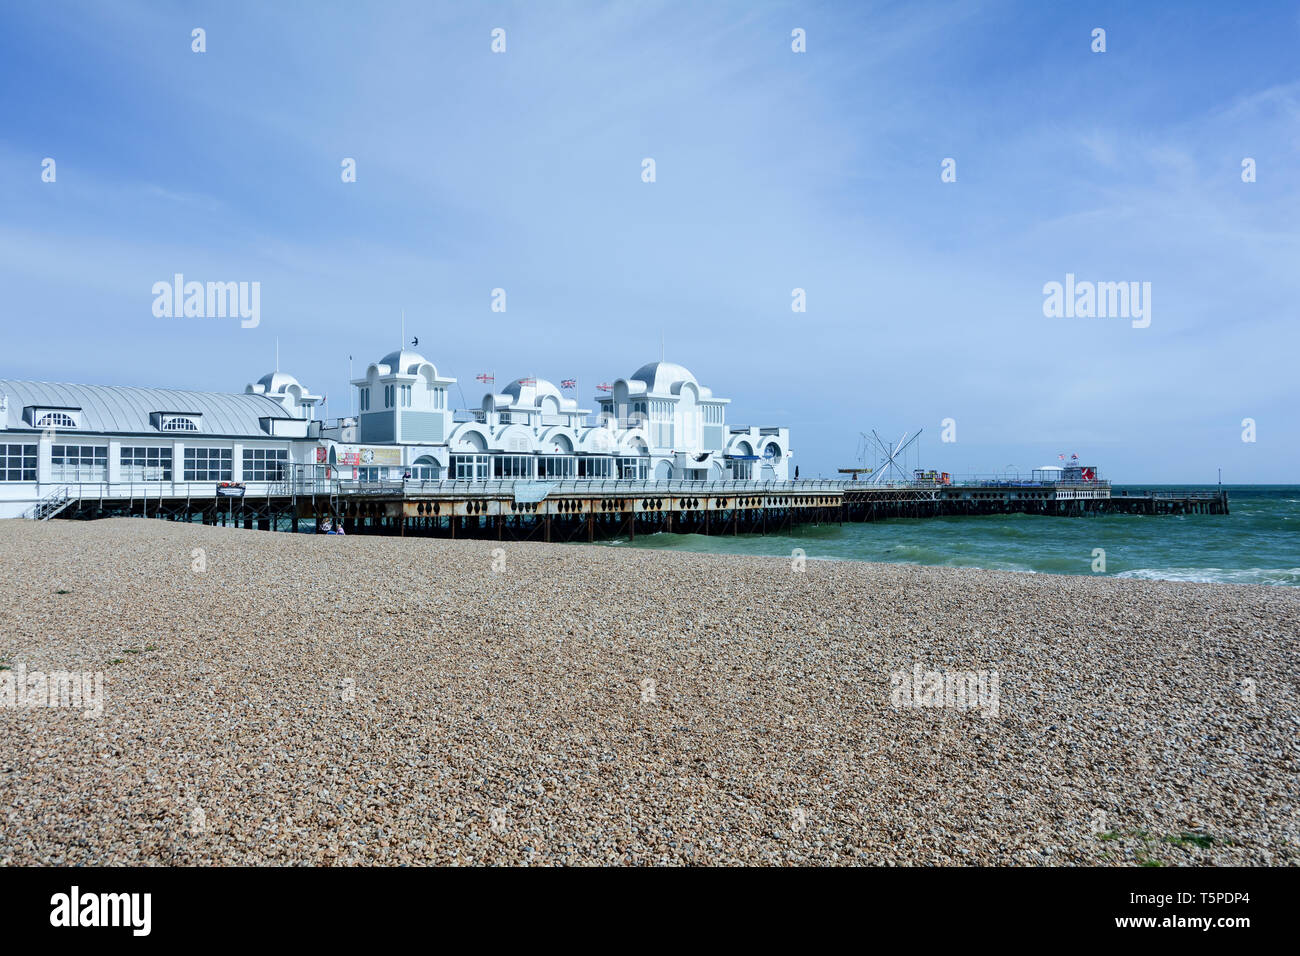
column 114, row 442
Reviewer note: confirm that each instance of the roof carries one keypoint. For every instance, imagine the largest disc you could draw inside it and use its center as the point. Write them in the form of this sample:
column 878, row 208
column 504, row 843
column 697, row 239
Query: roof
column 403, row 362
column 524, row 396
column 666, row 378
column 278, row 384
column 277, row 381
column 119, row 408
column 660, row 377
column 527, row 394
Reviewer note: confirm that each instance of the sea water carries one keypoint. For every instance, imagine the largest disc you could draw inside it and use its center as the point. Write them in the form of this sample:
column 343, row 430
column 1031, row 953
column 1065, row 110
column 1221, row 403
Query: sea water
column 1257, row 543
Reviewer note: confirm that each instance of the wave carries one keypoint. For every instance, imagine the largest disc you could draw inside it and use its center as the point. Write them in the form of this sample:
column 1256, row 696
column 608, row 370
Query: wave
column 1285, row 577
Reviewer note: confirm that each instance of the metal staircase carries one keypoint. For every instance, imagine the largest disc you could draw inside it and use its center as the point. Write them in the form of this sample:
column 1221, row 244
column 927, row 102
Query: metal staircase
column 50, row 505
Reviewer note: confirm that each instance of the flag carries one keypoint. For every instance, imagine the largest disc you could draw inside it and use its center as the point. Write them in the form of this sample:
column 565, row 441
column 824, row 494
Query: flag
column 485, row 378
column 569, row 383
column 605, row 386
column 528, row 381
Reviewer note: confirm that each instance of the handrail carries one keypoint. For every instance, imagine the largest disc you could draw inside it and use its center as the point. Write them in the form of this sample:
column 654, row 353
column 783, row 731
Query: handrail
column 50, row 505
column 610, row 486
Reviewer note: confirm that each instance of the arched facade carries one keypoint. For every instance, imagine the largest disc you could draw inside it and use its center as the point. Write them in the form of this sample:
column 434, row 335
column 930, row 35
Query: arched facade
column 659, row 423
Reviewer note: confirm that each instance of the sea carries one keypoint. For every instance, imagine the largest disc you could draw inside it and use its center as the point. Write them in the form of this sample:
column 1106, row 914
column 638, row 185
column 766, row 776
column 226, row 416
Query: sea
column 1258, row 542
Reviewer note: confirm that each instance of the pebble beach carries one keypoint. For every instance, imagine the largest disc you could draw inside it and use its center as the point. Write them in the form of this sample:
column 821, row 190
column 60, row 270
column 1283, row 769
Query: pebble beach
column 273, row 698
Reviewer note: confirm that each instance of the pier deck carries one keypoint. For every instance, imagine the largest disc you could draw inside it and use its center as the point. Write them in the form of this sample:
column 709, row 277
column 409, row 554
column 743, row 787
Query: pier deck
column 591, row 510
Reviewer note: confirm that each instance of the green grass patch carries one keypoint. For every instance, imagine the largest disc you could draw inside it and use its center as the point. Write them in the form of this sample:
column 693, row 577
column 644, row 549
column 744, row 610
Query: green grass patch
column 1194, row 839
column 1142, row 854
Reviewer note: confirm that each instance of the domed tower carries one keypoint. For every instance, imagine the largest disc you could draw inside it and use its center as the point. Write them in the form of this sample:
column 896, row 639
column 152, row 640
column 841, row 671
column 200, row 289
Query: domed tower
column 284, row 388
column 534, row 401
column 402, row 400
column 684, row 422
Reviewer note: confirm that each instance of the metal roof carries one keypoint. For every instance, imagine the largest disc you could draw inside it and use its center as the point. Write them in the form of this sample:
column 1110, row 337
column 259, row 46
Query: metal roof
column 119, row 408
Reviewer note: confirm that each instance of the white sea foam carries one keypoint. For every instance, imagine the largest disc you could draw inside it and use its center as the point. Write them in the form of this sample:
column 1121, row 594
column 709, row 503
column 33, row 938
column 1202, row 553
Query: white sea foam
column 1275, row 576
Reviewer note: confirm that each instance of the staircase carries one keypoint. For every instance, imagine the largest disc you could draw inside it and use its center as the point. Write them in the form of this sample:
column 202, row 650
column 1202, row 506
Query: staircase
column 49, row 506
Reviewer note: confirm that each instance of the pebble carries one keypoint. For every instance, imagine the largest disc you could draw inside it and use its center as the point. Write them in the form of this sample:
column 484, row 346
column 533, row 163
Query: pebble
column 380, row 700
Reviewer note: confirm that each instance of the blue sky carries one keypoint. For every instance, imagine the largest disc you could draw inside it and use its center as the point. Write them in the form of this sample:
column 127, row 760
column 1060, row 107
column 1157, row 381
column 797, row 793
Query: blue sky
column 775, row 170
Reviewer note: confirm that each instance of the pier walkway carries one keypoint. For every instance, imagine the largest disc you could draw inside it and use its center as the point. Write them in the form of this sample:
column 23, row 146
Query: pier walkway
column 595, row 509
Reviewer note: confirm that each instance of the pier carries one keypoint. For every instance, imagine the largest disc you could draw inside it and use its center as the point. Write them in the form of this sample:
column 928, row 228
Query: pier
column 606, row 509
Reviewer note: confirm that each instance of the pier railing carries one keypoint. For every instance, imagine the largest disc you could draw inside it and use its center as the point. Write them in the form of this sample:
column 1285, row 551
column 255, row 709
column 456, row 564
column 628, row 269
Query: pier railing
column 630, row 487
column 585, row 486
column 1169, row 495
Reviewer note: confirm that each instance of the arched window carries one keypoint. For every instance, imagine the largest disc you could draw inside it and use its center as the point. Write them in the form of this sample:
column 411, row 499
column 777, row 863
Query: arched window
column 56, row 420
column 179, row 424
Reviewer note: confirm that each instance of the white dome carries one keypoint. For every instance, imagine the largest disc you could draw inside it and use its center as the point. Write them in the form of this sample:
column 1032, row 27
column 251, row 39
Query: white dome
column 534, row 393
column 403, row 362
column 277, row 383
column 519, row 395
column 662, row 378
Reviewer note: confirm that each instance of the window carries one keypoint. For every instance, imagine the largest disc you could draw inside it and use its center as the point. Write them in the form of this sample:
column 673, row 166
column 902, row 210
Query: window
column 265, row 464
column 556, row 466
column 633, row 469
column 208, row 464
column 365, row 399
column 712, row 414
column 661, row 423
column 406, row 395
column 17, row 462
column 512, row 466
column 79, row 462
column 56, row 420
column 469, row 467
column 426, row 472
column 178, row 424
column 146, row 464
column 742, row 470
column 595, row 466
